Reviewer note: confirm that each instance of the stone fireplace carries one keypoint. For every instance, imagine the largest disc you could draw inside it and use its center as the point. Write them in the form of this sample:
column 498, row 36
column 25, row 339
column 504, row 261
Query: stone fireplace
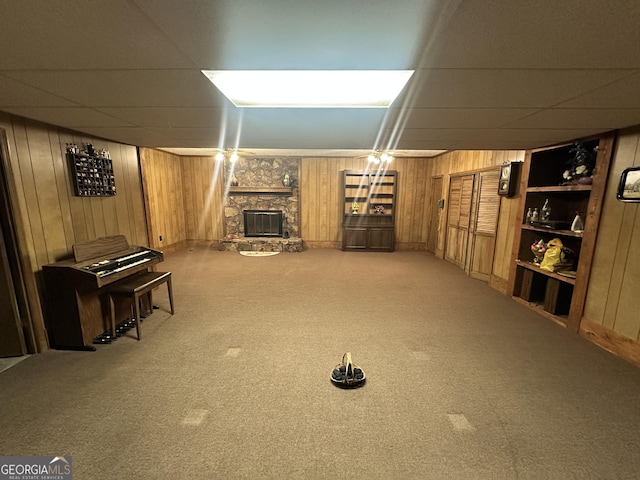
column 255, row 191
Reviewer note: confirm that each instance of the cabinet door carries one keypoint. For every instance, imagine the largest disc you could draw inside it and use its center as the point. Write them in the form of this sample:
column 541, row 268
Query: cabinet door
column 381, row 239
column 354, row 238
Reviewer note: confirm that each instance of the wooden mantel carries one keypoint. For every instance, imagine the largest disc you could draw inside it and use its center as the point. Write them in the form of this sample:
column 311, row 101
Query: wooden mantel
column 260, row 191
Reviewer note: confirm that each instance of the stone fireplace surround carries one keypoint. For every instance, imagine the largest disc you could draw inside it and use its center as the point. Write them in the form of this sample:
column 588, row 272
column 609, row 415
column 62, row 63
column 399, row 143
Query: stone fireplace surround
column 260, row 187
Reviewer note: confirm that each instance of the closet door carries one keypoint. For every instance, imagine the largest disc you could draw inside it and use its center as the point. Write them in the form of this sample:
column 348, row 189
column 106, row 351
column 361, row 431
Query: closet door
column 458, row 219
column 484, row 225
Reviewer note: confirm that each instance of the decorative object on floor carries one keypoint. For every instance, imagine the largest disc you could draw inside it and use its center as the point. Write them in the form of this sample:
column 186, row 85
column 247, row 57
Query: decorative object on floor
column 258, row 254
column 355, row 206
column 580, row 166
column 347, row 374
column 629, row 187
column 379, row 209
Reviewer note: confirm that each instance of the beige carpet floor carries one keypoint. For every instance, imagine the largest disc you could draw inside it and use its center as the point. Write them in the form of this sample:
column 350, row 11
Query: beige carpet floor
column 462, row 382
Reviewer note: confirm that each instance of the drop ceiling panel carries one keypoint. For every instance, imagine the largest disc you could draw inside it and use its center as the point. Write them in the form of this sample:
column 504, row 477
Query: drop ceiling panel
column 70, row 117
column 483, row 88
column 418, row 137
column 286, row 34
column 127, row 88
column 525, row 34
column 16, row 94
column 137, row 136
column 196, row 117
column 459, row 117
column 602, row 119
column 144, row 88
column 624, row 93
column 74, row 34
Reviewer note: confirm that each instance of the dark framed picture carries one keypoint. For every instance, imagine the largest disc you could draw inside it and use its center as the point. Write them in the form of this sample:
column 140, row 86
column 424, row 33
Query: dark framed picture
column 629, row 187
column 508, row 178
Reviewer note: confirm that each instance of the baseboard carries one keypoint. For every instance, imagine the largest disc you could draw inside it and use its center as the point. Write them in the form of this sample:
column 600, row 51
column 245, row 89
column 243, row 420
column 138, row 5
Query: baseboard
column 316, row 244
column 173, row 247
column 415, row 246
column 500, row 284
column 611, row 341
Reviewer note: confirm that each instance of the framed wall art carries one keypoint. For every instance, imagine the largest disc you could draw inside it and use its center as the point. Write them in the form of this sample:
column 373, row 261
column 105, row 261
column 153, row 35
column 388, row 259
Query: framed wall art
column 629, row 187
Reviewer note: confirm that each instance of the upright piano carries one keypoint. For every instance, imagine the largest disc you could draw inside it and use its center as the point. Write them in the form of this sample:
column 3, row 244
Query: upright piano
column 76, row 304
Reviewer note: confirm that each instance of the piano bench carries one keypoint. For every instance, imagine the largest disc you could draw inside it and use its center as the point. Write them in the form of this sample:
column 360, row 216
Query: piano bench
column 134, row 288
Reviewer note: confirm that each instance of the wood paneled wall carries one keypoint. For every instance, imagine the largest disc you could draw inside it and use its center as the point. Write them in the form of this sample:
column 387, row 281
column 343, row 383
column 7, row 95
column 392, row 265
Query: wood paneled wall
column 50, row 218
column 466, row 161
column 611, row 304
column 320, row 197
column 163, row 195
column 184, row 197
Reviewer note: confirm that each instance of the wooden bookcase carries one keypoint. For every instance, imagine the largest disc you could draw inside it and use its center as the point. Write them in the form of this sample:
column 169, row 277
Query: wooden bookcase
column 556, row 295
column 372, row 228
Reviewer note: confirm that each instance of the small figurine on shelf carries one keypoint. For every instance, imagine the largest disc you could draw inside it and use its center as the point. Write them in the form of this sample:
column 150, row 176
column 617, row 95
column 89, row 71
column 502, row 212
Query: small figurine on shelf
column 286, row 181
column 580, row 167
column 534, row 216
column 234, row 180
column 545, row 212
column 529, row 215
column 379, row 209
column 355, row 206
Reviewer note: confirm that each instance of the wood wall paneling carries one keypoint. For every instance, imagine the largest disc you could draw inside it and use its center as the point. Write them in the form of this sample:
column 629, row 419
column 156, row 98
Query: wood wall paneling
column 615, row 271
column 51, row 218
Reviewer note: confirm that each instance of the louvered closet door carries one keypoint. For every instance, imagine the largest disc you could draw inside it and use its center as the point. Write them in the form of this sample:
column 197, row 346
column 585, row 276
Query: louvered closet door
column 458, row 219
column 484, row 226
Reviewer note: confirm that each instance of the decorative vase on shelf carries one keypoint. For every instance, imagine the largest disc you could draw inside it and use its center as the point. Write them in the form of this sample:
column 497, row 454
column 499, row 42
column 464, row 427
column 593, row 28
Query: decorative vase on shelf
column 585, row 181
column 538, row 248
column 577, row 225
column 355, row 206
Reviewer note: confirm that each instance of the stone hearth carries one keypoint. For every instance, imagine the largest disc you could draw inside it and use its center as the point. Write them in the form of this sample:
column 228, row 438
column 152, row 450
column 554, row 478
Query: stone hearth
column 261, row 244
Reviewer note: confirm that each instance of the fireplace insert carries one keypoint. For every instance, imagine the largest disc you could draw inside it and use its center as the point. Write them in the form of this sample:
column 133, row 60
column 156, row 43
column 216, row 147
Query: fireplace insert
column 262, row 223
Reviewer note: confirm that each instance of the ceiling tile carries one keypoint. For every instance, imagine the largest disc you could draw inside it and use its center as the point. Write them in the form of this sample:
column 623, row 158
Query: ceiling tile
column 582, row 118
column 70, row 117
column 457, row 117
column 75, row 34
column 285, row 34
column 196, row 117
column 141, row 88
column 525, row 34
column 482, row 88
column 16, row 94
column 624, row 93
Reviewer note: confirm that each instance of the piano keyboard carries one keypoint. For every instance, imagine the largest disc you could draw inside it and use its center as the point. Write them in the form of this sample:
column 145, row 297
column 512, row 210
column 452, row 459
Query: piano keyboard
column 104, row 273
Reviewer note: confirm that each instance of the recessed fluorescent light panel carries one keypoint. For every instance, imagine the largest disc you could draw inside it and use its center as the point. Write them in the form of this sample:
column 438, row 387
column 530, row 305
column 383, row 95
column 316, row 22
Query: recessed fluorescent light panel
column 310, row 88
